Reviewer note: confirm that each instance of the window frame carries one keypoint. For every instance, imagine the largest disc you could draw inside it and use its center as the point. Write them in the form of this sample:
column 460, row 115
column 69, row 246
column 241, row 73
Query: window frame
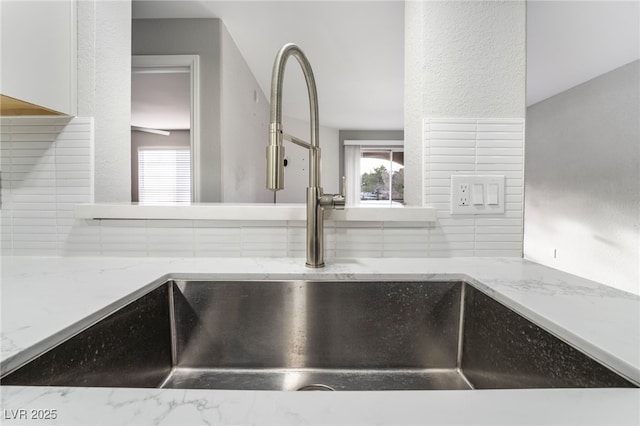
column 390, row 150
column 391, row 145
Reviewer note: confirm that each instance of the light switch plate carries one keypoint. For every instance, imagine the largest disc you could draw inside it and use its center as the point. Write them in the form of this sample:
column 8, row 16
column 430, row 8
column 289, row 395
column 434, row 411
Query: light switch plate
column 484, row 194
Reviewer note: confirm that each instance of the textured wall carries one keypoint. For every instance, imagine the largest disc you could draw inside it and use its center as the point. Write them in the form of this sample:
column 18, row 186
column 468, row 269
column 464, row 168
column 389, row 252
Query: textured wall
column 462, row 60
column 474, row 59
column 583, row 180
column 464, row 114
column 112, row 102
column 86, row 12
column 413, row 108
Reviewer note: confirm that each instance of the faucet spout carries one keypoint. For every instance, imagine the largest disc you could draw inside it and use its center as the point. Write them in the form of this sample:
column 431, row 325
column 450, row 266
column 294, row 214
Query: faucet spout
column 275, row 179
column 317, row 201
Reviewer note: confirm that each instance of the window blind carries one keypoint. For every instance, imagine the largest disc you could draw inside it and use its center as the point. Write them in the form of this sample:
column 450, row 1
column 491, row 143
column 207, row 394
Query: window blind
column 164, row 175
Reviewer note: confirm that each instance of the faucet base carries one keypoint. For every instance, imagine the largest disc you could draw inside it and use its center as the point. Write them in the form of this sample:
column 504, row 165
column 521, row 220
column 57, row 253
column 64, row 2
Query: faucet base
column 309, row 265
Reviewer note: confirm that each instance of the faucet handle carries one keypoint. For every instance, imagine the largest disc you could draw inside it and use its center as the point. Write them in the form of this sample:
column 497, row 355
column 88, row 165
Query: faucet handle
column 334, row 201
column 339, row 200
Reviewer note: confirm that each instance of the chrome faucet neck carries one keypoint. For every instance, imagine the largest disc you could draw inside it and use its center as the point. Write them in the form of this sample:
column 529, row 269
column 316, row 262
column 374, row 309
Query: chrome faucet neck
column 317, row 201
column 277, row 78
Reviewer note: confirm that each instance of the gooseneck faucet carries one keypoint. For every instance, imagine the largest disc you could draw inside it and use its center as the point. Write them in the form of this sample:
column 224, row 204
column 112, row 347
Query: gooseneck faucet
column 317, row 201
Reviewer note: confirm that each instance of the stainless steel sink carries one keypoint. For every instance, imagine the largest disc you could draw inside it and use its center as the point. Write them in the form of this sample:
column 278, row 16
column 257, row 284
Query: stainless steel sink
column 304, row 335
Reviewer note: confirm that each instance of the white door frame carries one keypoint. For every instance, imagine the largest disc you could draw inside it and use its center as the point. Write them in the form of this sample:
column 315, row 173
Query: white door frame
column 173, row 63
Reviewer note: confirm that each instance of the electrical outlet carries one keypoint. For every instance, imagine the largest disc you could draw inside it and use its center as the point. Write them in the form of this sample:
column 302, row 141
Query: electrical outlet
column 463, row 194
column 477, row 194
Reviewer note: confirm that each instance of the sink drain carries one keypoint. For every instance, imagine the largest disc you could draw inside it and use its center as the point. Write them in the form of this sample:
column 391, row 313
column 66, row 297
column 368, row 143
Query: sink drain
column 316, row 387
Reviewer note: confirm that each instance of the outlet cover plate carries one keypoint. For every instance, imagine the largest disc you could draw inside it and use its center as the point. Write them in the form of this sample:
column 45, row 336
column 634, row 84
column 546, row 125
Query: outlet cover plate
column 473, row 183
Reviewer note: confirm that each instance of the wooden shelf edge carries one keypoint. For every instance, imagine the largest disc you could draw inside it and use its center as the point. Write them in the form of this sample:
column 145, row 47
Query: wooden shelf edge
column 15, row 107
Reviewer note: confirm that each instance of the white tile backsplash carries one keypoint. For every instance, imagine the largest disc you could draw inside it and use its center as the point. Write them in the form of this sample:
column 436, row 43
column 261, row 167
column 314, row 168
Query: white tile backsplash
column 33, row 155
column 495, row 146
column 264, row 241
column 166, row 238
column 217, row 242
column 47, row 169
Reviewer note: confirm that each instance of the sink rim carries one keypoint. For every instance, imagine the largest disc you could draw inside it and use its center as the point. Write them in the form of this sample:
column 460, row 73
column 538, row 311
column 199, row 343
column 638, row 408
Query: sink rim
column 24, row 357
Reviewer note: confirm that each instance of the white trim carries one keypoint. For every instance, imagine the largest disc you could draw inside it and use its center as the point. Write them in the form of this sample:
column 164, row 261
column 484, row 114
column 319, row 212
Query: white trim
column 195, row 128
column 173, row 63
column 375, row 142
column 154, row 131
column 163, row 70
column 162, row 61
column 352, row 174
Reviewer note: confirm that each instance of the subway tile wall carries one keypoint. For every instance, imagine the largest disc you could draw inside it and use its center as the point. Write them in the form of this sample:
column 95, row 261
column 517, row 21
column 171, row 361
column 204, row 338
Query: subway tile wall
column 47, row 168
column 474, row 147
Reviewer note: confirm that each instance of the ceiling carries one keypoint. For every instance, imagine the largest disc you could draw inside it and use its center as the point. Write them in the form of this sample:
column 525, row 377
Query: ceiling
column 570, row 42
column 356, row 49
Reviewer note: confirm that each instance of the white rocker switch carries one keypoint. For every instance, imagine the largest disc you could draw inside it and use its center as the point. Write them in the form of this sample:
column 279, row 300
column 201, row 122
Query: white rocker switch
column 492, row 194
column 477, row 194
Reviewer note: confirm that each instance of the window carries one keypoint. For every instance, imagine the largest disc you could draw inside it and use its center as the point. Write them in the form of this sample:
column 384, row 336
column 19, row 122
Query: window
column 381, row 176
column 164, row 175
column 375, row 172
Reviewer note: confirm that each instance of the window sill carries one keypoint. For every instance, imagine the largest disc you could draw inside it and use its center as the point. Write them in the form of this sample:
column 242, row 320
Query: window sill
column 248, row 212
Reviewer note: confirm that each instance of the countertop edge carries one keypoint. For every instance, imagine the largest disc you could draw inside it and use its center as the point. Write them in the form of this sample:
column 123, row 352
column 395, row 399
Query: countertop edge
column 249, row 212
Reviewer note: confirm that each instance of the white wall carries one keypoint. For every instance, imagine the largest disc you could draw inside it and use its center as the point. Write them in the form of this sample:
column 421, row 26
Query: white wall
column 413, row 109
column 583, row 180
column 572, row 42
column 104, row 92
column 192, row 37
column 501, row 26
column 112, row 99
column 244, row 128
column 464, row 114
column 86, row 13
column 462, row 60
column 233, row 125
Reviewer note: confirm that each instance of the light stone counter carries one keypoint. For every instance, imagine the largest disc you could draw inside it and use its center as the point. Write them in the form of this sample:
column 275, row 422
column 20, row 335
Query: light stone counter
column 46, row 299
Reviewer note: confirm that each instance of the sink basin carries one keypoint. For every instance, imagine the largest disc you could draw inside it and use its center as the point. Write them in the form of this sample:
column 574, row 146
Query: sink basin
column 314, row 335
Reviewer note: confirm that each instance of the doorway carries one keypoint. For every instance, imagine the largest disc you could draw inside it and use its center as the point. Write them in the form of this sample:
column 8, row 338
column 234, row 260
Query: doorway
column 165, row 137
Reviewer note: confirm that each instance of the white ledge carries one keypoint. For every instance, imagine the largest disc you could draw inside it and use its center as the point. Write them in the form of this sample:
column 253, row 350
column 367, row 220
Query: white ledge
column 248, row 212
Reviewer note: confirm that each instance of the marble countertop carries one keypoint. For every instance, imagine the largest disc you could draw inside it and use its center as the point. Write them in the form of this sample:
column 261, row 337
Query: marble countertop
column 47, row 299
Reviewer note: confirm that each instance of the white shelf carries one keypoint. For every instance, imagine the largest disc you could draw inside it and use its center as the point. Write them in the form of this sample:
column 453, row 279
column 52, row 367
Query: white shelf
column 248, row 212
